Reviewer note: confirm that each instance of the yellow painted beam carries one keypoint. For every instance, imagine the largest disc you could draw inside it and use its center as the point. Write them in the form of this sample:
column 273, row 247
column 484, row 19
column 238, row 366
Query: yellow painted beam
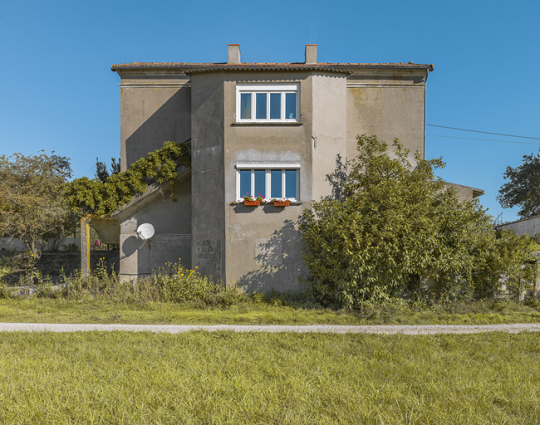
column 85, row 245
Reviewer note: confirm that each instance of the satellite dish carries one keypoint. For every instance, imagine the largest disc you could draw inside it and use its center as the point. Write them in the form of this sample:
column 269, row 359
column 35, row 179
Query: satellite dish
column 145, row 231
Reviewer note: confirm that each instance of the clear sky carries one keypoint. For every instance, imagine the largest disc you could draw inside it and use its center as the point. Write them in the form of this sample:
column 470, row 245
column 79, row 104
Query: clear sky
column 57, row 91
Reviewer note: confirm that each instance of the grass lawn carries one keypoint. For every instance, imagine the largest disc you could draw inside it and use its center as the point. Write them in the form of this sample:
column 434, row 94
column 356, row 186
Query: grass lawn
column 228, row 378
column 46, row 310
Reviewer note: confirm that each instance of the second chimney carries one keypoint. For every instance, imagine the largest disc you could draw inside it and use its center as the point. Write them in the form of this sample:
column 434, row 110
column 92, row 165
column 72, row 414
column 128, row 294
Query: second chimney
column 234, row 53
column 311, row 53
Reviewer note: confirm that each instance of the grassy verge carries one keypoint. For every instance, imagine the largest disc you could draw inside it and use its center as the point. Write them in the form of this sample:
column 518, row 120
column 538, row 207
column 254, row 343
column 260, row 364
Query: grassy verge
column 227, row 378
column 46, row 310
column 181, row 296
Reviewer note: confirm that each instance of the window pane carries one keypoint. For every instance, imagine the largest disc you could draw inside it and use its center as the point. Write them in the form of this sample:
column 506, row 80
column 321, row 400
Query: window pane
column 245, row 183
column 275, row 106
column 261, row 106
column 290, row 183
column 276, row 178
column 245, row 106
column 259, row 183
column 290, row 106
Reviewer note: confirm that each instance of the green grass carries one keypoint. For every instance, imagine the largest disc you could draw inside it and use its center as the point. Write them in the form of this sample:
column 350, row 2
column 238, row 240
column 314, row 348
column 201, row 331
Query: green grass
column 228, row 378
column 45, row 310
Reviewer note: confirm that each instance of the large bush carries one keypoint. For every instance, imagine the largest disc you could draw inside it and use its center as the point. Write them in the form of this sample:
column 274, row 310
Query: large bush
column 399, row 231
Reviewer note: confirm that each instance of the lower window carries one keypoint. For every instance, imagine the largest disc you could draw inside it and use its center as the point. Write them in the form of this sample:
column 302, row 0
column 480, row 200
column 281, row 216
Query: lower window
column 275, row 181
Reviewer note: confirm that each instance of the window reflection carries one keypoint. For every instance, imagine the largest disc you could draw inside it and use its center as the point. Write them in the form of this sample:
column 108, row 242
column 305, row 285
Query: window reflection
column 245, row 106
column 290, row 106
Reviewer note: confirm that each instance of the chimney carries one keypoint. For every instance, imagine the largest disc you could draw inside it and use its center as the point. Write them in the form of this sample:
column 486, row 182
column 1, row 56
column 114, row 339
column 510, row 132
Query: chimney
column 311, row 53
column 234, row 53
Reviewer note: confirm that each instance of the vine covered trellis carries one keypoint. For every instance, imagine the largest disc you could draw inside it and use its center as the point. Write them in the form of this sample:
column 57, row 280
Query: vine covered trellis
column 91, row 196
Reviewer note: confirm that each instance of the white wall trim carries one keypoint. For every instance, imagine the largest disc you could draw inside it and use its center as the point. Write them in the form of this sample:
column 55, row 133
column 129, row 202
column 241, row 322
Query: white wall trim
column 265, row 165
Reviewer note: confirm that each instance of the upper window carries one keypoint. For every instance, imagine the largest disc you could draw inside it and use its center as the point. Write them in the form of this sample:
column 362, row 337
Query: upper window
column 268, row 103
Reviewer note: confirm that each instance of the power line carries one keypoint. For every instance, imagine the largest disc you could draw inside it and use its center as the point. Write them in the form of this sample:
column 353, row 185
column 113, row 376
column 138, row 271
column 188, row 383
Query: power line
column 486, row 140
column 484, row 132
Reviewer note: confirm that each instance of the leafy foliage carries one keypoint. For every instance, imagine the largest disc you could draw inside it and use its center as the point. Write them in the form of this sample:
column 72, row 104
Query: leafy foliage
column 400, row 231
column 31, row 203
column 99, row 197
column 522, row 189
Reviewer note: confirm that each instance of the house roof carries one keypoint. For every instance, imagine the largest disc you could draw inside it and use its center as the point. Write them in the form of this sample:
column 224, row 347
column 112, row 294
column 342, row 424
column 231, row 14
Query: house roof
column 191, row 68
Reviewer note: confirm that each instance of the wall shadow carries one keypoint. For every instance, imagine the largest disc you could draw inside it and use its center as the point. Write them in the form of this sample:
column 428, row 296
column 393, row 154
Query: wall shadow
column 130, row 245
column 280, row 262
column 170, row 122
column 243, row 209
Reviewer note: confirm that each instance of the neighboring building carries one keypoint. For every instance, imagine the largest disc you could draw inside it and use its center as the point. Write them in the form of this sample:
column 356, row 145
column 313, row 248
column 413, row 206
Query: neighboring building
column 278, row 129
column 526, row 226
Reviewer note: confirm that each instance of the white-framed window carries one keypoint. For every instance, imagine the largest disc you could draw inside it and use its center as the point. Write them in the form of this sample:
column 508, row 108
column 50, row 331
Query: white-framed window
column 271, row 181
column 267, row 102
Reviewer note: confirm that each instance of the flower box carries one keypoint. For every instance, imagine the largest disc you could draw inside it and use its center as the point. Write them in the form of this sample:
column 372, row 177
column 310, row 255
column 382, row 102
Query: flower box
column 281, row 203
column 252, row 203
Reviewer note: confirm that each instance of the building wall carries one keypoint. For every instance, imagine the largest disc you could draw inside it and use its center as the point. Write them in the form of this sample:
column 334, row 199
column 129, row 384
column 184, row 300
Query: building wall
column 329, row 132
column 207, row 140
column 263, row 245
column 155, row 108
column 528, row 226
column 172, row 239
column 464, row 193
column 389, row 104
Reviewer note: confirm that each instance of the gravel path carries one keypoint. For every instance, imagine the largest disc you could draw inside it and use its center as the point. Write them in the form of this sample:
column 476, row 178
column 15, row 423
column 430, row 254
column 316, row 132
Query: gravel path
column 374, row 329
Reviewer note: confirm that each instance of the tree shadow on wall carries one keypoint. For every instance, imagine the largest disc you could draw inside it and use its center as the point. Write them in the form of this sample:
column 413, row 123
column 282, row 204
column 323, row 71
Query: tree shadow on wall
column 280, row 256
column 280, row 262
column 337, row 178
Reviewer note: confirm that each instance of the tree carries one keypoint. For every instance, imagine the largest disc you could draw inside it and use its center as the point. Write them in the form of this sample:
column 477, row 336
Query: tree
column 32, row 205
column 400, row 231
column 523, row 187
column 102, row 174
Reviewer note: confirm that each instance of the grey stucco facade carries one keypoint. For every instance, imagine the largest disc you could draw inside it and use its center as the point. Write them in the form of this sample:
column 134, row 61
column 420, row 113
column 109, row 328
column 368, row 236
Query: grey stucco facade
column 256, row 248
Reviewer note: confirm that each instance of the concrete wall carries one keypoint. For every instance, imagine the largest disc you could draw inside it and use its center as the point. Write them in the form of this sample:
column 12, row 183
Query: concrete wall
column 464, row 193
column 387, row 103
column 329, row 133
column 527, row 226
column 171, row 242
column 207, row 140
column 263, row 245
column 155, row 108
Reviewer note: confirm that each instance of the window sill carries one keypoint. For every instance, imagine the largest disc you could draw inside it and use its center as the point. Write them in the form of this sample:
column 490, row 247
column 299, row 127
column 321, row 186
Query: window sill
column 266, row 124
column 269, row 204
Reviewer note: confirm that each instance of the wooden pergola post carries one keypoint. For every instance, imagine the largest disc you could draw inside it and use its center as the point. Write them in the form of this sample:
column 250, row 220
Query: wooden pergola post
column 85, row 246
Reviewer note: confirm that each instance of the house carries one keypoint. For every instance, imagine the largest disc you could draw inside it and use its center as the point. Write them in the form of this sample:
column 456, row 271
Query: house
column 278, row 129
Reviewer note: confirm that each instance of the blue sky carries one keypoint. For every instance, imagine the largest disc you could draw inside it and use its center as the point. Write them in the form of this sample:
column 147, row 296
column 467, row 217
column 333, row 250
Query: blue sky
column 57, row 91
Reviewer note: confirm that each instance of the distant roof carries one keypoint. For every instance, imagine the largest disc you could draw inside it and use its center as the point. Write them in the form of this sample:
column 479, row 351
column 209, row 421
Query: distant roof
column 191, row 68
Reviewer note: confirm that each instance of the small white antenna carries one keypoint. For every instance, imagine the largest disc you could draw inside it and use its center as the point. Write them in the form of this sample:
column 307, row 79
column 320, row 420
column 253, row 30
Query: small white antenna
column 145, row 232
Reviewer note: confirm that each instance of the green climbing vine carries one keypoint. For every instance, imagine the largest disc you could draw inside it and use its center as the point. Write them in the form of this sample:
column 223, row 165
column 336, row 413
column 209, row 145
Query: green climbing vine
column 92, row 196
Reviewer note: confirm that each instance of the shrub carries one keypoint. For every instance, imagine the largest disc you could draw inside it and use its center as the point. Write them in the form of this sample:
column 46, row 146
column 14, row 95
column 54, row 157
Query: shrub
column 180, row 285
column 399, row 231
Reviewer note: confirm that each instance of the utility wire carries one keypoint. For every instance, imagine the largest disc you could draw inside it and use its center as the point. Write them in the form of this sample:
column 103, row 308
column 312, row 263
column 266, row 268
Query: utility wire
column 486, row 140
column 484, row 132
